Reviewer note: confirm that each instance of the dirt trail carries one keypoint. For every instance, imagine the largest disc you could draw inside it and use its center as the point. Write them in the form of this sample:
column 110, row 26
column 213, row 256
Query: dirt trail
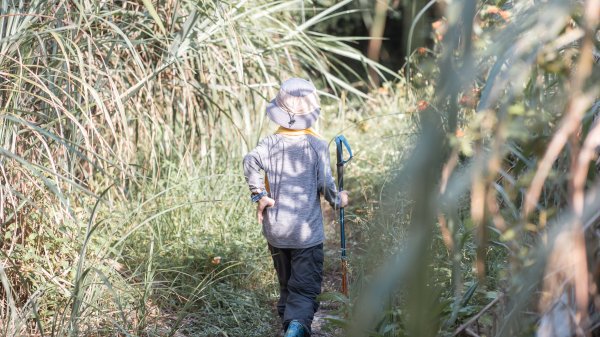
column 327, row 309
column 331, row 277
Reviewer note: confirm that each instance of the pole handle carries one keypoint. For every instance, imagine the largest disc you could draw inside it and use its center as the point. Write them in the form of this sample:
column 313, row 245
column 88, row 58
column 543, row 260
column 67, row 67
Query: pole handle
column 339, row 142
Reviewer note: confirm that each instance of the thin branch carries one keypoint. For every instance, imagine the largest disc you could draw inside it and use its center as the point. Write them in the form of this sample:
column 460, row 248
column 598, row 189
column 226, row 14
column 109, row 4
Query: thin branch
column 479, row 314
column 576, row 107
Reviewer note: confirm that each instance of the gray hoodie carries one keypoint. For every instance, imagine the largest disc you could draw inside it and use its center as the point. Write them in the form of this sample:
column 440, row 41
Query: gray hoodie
column 298, row 171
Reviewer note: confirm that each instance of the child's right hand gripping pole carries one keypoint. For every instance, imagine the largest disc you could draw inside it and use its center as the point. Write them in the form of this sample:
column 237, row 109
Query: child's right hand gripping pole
column 340, row 143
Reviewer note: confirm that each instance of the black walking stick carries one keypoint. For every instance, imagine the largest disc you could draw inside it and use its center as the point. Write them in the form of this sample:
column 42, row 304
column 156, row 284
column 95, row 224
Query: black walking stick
column 339, row 140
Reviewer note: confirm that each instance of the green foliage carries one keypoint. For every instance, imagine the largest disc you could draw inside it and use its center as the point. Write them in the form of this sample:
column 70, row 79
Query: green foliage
column 455, row 243
column 123, row 211
column 122, row 126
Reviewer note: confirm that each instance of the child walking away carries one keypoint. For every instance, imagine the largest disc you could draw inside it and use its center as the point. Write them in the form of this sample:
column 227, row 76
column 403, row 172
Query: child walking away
column 286, row 173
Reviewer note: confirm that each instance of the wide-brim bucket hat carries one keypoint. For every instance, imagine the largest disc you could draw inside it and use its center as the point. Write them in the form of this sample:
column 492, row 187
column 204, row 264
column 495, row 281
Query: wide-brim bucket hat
column 296, row 105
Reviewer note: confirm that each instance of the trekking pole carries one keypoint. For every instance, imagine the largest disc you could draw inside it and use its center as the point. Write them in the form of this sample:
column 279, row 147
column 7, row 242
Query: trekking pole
column 339, row 140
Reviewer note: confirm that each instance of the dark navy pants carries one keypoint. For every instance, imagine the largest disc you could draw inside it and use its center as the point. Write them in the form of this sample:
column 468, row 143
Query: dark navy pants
column 300, row 272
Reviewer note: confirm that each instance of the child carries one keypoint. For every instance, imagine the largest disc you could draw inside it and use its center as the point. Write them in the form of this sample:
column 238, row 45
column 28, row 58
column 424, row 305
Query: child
column 286, row 173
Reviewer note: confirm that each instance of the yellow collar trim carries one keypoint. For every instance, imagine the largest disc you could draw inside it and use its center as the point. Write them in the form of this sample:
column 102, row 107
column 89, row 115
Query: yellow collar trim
column 289, row 132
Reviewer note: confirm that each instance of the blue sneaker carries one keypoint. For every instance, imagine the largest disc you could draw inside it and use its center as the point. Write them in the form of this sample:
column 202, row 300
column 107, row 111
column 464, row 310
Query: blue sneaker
column 295, row 329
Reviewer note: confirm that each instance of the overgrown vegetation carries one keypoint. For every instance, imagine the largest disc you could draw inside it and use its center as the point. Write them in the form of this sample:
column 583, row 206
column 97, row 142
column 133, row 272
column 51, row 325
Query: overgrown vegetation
column 123, row 209
column 490, row 228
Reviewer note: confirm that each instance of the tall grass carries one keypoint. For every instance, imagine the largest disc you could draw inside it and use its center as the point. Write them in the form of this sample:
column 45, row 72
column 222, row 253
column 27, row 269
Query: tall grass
column 121, row 122
column 498, row 198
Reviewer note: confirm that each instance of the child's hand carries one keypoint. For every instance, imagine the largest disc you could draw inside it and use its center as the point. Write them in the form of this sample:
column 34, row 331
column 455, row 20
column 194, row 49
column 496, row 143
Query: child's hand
column 263, row 203
column 343, row 198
